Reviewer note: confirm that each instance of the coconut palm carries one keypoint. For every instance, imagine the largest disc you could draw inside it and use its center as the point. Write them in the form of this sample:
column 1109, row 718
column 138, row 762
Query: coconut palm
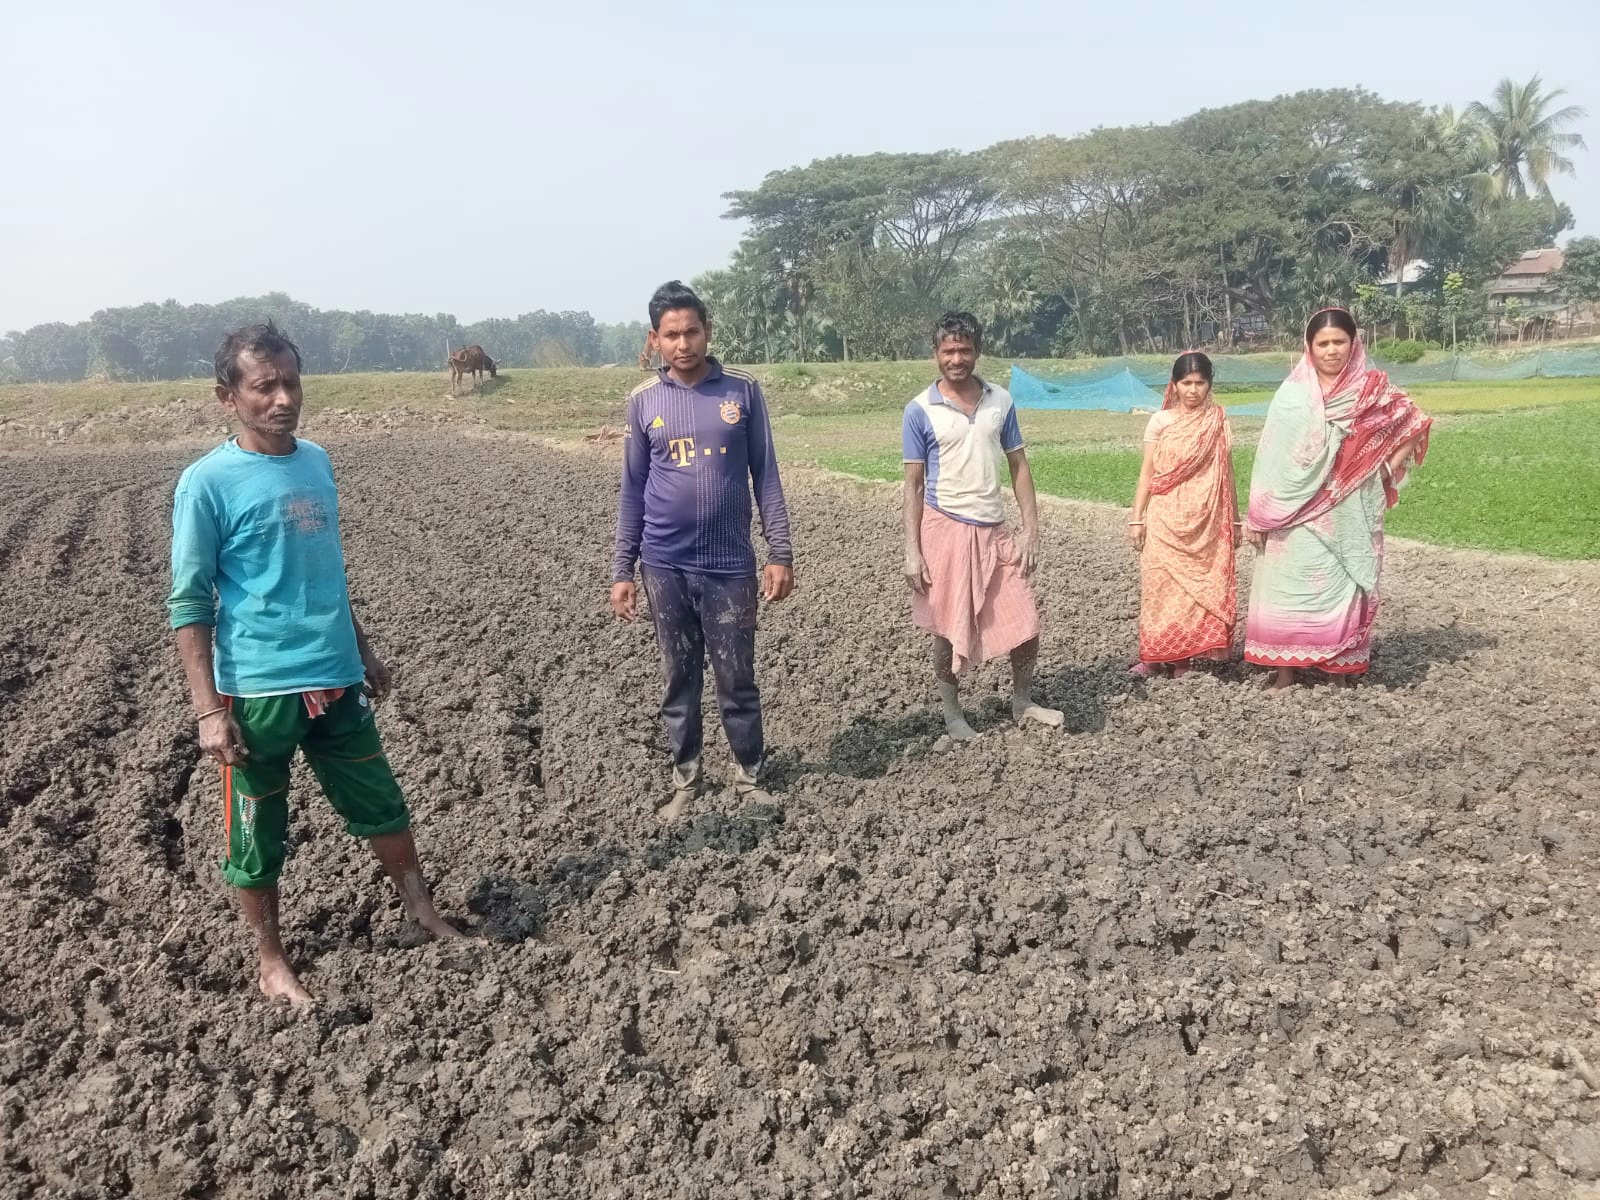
column 1528, row 138
column 1466, row 139
column 1450, row 166
column 1007, row 301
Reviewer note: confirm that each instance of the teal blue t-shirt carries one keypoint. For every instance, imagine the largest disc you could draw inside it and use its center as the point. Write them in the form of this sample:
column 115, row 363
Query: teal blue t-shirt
column 256, row 554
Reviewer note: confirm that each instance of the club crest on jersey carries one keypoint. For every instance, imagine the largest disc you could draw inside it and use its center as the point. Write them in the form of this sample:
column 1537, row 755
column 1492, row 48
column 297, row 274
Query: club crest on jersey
column 730, row 412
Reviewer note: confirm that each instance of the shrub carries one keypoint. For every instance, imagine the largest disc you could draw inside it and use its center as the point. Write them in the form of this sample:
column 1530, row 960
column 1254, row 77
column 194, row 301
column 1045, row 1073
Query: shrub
column 1394, row 350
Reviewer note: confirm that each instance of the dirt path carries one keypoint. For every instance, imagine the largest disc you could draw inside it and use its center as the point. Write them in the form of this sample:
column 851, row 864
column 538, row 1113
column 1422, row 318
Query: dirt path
column 1206, row 940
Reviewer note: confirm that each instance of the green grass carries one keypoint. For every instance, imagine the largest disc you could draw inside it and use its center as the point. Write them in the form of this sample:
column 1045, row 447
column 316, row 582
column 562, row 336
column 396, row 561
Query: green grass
column 1521, row 481
column 566, row 400
column 1525, row 480
column 1498, row 397
column 1513, row 464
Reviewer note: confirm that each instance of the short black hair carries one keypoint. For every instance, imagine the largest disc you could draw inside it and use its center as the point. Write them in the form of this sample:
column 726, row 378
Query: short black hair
column 262, row 340
column 959, row 324
column 1336, row 318
column 1189, row 363
column 674, row 294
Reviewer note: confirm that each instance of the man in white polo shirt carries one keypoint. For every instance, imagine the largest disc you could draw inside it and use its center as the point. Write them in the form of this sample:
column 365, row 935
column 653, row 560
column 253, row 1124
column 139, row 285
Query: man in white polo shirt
column 967, row 574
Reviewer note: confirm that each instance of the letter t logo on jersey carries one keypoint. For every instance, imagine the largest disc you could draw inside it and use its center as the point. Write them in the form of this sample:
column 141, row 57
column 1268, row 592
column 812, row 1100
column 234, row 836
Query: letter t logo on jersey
column 682, row 451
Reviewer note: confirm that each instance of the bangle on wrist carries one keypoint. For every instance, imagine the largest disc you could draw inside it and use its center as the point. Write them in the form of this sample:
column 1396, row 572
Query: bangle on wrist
column 211, row 712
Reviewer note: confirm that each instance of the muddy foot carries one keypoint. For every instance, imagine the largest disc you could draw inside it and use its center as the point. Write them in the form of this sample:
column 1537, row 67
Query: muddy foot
column 441, row 929
column 1051, row 717
column 958, row 729
column 674, row 808
column 1280, row 681
column 280, row 984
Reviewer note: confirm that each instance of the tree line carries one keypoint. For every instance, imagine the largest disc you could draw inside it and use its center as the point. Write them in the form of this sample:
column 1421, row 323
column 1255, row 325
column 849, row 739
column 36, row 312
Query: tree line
column 1238, row 220
column 177, row 341
column 1233, row 223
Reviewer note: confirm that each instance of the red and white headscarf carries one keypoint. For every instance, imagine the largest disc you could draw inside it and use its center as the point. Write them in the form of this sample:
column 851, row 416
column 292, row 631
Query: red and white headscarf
column 1372, row 418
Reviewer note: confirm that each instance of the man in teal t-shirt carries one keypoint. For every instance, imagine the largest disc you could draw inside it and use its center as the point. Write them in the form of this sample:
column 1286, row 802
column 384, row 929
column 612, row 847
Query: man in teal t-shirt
column 275, row 658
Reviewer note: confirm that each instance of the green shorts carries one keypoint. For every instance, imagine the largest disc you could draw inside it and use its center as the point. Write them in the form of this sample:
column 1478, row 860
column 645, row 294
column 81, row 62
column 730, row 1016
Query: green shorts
column 345, row 754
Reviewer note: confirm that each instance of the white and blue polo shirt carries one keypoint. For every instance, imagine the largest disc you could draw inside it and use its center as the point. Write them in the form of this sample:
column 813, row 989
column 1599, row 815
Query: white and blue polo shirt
column 962, row 454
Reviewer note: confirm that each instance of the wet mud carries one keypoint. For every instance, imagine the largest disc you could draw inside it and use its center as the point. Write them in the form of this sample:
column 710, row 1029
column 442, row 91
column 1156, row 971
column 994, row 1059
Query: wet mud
column 1205, row 942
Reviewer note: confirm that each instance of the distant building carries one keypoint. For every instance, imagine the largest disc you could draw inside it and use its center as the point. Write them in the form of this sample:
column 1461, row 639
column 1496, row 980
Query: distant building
column 1527, row 281
column 1247, row 329
column 1541, row 308
column 1410, row 275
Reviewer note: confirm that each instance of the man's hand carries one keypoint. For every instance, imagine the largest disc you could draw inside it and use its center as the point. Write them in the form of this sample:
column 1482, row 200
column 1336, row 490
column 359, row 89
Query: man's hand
column 624, row 600
column 917, row 572
column 379, row 677
column 221, row 739
column 1030, row 552
column 777, row 581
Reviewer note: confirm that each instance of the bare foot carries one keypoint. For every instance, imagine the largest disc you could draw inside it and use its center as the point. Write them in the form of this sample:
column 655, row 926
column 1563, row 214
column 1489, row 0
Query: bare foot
column 279, row 982
column 1282, row 681
column 440, row 928
column 673, row 809
column 958, row 729
column 1052, row 717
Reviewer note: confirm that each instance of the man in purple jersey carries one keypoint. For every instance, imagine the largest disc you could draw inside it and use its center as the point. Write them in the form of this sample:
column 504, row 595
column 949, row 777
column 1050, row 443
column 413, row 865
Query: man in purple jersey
column 696, row 439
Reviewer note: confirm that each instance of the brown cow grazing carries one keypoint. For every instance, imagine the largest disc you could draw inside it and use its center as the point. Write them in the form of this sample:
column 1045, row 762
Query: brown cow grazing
column 650, row 356
column 472, row 359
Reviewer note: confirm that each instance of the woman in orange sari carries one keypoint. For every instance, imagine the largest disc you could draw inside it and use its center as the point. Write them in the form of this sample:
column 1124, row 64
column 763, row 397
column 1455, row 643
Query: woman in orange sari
column 1185, row 525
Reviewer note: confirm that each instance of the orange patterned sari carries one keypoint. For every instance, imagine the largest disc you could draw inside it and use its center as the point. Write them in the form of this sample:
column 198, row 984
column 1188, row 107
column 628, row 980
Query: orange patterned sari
column 1188, row 597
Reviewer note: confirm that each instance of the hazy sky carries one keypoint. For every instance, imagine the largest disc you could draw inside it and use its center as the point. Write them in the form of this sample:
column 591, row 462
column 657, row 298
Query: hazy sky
column 487, row 159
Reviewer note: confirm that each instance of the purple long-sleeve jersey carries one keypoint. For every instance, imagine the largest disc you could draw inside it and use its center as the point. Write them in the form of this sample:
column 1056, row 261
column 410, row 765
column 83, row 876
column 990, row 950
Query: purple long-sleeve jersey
column 690, row 457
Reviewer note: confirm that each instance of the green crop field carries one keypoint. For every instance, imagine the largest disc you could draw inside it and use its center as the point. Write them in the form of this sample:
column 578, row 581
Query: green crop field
column 1511, row 467
column 570, row 399
column 1514, row 466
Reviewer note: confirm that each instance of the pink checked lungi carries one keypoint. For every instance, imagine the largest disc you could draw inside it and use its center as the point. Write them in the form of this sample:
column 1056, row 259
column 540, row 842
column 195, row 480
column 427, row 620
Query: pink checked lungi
column 978, row 601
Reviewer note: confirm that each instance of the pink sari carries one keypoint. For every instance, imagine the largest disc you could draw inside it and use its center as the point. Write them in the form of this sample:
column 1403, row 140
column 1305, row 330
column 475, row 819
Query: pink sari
column 1319, row 489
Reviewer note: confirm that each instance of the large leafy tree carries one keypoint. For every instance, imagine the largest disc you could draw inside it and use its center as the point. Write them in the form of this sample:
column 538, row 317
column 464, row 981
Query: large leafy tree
column 172, row 340
column 1579, row 276
column 1428, row 168
column 621, row 342
column 862, row 228
column 1086, row 203
column 54, row 353
column 1115, row 241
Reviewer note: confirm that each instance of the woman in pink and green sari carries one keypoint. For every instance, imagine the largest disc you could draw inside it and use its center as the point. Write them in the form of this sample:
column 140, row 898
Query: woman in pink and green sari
column 1338, row 441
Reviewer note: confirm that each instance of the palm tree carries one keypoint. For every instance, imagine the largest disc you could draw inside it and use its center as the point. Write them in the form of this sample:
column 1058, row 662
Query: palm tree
column 1528, row 139
column 1008, row 301
column 1451, row 166
column 1466, row 139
